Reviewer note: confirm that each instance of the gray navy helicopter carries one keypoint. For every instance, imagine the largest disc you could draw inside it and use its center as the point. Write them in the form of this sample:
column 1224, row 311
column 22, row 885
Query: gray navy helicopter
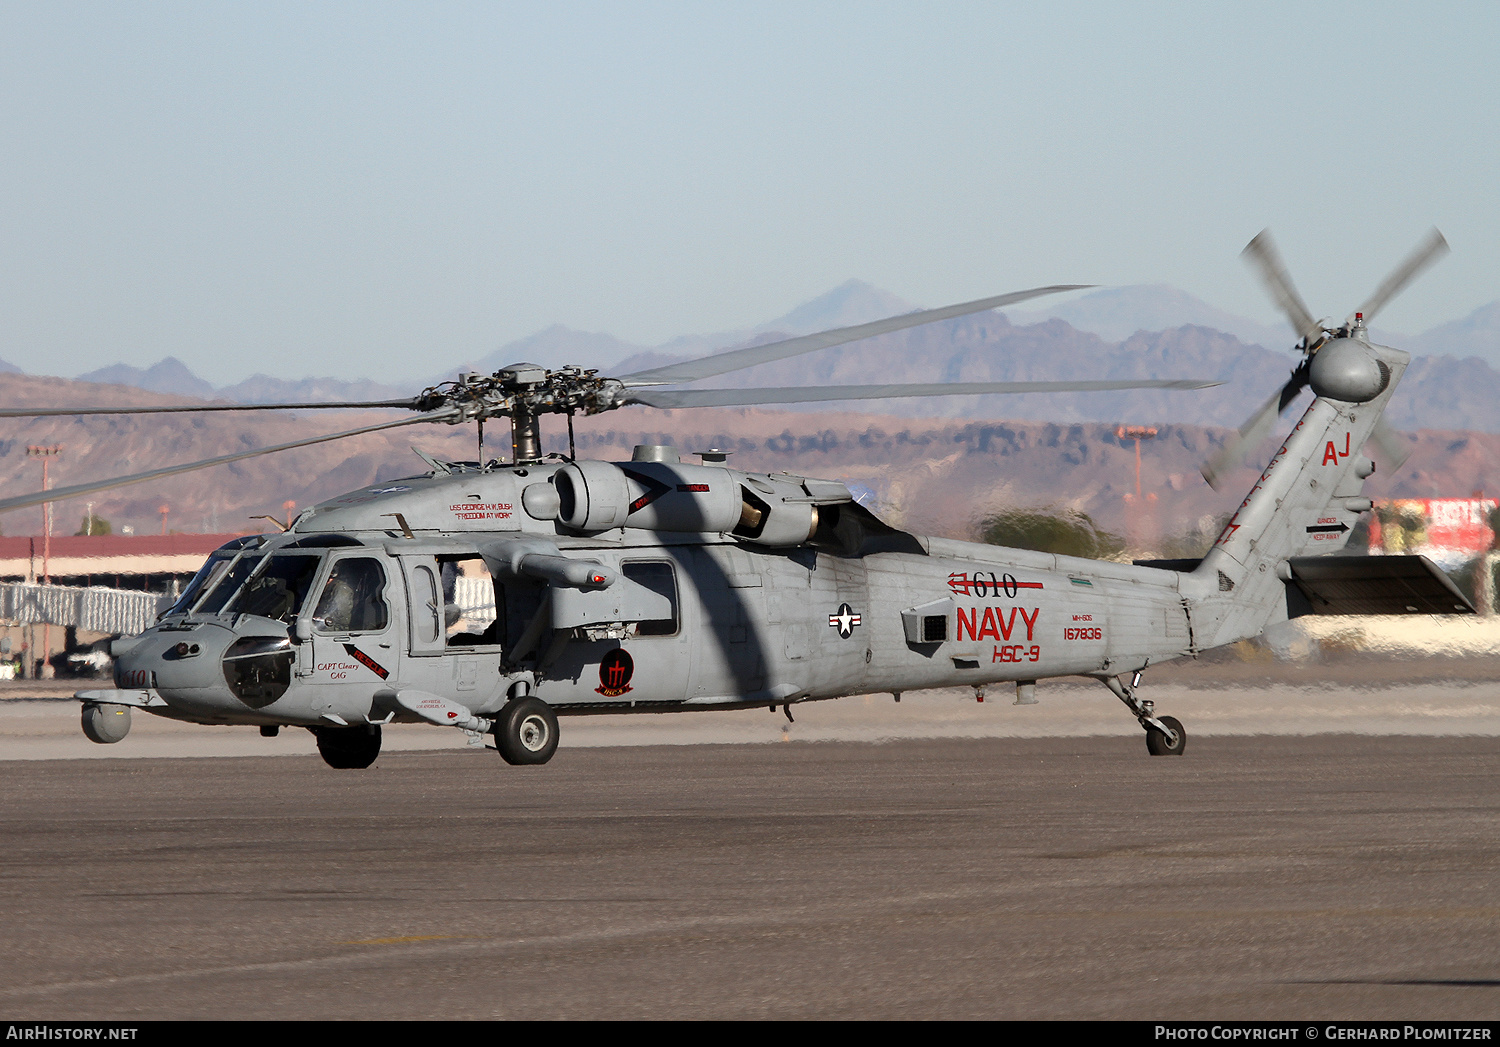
column 493, row 597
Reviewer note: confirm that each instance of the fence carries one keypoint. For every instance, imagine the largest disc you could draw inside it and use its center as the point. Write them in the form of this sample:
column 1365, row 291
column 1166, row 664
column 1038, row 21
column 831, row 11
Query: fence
column 123, row 612
column 475, row 598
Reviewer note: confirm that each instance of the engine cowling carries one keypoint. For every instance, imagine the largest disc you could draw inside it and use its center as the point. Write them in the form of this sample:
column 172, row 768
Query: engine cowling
column 655, row 496
column 592, row 496
column 775, row 512
column 670, row 496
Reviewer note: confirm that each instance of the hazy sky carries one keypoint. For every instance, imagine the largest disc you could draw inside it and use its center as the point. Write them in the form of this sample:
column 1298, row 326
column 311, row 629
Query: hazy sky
column 382, row 189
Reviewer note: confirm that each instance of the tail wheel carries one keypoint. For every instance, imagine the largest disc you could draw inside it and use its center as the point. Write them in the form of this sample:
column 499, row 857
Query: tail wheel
column 1158, row 744
column 348, row 748
column 526, row 732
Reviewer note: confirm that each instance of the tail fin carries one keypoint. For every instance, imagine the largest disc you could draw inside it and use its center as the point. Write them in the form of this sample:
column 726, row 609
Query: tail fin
column 1304, row 503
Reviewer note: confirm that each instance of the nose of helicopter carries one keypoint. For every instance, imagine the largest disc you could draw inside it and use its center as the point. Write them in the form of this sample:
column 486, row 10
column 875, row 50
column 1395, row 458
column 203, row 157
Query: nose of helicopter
column 210, row 666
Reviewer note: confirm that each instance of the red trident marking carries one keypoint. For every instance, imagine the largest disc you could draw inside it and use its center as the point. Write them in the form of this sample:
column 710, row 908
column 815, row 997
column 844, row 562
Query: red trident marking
column 615, row 671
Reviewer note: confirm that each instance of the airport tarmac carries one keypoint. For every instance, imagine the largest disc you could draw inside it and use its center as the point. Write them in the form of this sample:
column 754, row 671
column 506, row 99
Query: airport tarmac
column 1436, row 696
column 929, row 873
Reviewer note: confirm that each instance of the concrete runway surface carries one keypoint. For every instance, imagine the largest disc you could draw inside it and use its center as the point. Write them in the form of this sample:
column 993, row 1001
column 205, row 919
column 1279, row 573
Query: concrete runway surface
column 1213, row 698
column 1313, row 877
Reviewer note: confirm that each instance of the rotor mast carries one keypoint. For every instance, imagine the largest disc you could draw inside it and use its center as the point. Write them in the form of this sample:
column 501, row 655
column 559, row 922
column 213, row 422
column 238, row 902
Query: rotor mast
column 525, row 436
column 523, row 382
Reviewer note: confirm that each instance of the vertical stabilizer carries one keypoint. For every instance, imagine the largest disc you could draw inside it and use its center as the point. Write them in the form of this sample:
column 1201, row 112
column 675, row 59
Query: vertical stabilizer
column 1305, row 503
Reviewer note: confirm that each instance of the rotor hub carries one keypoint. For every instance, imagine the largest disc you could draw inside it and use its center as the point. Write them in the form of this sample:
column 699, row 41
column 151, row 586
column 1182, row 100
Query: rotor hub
column 524, row 389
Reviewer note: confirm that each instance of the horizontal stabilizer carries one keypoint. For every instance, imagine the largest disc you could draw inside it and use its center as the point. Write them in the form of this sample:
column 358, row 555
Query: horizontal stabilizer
column 139, row 699
column 1371, row 585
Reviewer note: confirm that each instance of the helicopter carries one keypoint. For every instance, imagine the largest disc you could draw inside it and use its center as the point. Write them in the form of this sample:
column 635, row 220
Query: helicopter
column 496, row 596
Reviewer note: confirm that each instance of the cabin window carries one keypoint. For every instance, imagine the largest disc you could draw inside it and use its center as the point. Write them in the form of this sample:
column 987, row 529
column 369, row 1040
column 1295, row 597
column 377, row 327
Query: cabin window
column 472, row 617
column 353, row 599
column 660, row 578
column 427, row 608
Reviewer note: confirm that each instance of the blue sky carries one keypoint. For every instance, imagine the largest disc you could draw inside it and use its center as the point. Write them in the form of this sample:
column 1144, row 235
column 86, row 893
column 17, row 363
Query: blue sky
column 378, row 189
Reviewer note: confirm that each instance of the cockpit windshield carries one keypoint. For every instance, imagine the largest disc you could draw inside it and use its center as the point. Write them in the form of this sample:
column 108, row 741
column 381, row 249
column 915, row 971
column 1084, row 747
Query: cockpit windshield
column 204, row 580
column 229, row 583
column 277, row 589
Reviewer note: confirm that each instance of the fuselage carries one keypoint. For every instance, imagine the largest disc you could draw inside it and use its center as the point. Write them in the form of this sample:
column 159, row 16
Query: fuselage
column 325, row 623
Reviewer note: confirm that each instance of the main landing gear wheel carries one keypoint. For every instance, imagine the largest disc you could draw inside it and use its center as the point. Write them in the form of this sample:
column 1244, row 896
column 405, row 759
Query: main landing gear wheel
column 526, row 731
column 348, row 748
column 1157, row 743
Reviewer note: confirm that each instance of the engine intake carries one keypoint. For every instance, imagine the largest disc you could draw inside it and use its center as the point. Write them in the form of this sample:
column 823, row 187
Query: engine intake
column 655, row 496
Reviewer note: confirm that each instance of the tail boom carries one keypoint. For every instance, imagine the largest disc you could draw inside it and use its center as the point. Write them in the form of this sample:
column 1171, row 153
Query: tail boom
column 1305, row 503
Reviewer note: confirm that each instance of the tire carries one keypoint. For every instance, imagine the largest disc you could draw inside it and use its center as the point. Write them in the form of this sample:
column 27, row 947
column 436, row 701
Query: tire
column 348, row 748
column 1156, row 742
column 526, row 732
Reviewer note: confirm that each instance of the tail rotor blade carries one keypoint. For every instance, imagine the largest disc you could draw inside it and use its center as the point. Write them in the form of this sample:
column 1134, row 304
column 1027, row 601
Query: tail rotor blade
column 1242, row 443
column 1262, row 255
column 1393, row 445
column 1430, row 250
column 1301, row 376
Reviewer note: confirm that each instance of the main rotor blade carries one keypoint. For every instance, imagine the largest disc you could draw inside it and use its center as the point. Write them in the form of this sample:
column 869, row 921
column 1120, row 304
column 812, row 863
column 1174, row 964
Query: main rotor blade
column 723, row 363
column 1246, row 440
column 58, row 494
column 43, row 412
column 1432, row 248
column 812, row 394
column 1262, row 255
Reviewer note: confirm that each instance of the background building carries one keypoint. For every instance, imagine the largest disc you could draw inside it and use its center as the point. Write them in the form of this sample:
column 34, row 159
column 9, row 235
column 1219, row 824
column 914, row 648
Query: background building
column 62, row 598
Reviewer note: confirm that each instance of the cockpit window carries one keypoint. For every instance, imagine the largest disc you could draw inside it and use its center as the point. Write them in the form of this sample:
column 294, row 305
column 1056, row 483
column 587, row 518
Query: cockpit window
column 278, row 589
column 211, row 571
column 353, row 600
column 227, row 584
